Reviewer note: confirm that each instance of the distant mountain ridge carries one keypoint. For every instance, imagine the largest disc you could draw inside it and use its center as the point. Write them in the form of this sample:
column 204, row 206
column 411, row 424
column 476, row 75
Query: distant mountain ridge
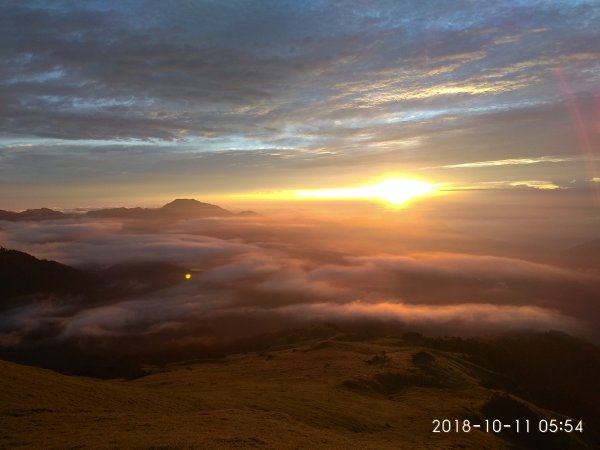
column 32, row 214
column 181, row 208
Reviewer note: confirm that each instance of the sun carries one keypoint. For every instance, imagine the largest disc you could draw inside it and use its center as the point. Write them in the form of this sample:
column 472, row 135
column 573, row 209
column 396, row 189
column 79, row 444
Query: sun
column 395, row 191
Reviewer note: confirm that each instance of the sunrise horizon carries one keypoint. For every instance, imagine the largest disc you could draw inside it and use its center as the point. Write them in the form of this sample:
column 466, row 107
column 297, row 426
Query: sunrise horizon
column 312, row 224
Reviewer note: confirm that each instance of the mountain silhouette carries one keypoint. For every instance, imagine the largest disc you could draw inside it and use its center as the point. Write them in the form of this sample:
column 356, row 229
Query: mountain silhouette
column 23, row 277
column 32, row 214
column 22, row 274
column 191, row 207
column 179, row 208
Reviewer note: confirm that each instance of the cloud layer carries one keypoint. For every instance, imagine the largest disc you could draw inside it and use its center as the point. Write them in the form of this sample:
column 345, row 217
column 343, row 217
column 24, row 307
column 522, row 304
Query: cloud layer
column 255, row 275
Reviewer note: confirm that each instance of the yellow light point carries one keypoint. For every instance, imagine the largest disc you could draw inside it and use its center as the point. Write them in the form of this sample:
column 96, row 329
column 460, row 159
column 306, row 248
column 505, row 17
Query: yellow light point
column 392, row 190
column 188, row 276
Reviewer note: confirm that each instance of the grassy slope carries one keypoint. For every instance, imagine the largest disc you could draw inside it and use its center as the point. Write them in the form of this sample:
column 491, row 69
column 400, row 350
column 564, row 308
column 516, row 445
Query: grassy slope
column 318, row 394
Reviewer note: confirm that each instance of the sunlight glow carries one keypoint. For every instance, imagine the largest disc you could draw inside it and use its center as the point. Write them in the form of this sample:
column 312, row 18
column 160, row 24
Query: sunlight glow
column 392, row 190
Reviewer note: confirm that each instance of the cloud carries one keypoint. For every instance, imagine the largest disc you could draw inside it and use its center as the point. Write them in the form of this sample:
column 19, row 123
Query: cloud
column 189, row 97
column 510, row 162
column 92, row 72
column 461, row 318
column 251, row 276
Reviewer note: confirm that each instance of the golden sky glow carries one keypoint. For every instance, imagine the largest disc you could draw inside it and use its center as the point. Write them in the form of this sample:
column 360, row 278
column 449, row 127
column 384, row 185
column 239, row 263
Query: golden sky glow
column 392, row 190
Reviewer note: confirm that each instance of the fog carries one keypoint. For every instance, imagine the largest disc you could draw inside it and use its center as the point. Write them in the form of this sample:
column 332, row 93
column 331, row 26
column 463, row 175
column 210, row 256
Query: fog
column 255, row 275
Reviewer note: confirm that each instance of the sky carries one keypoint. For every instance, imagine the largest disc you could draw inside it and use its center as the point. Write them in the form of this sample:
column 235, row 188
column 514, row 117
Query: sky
column 139, row 102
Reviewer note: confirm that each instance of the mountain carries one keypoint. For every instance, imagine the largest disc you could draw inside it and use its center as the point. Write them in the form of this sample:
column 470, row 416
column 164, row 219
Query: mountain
column 182, row 208
column 22, row 274
column 324, row 385
column 32, row 214
column 179, row 208
column 23, row 277
column 338, row 390
column 122, row 213
column 193, row 208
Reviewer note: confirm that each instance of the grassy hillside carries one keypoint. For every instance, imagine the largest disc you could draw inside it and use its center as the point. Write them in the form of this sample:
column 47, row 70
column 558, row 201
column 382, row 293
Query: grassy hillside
column 336, row 392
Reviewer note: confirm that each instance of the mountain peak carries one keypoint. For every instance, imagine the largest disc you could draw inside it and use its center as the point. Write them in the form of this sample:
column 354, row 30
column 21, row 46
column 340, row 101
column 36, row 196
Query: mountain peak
column 192, row 206
column 32, row 214
column 180, row 203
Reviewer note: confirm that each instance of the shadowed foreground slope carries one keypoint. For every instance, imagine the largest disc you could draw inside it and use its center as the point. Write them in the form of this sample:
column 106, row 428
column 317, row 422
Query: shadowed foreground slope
column 339, row 392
